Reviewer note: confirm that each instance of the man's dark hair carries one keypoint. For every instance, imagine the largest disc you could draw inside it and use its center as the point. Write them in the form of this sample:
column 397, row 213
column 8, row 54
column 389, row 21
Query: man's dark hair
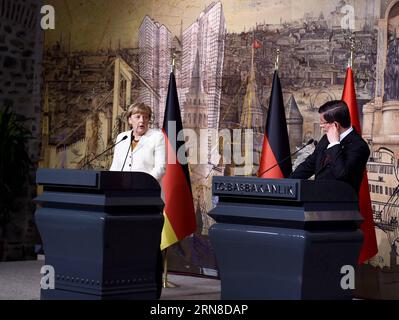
column 336, row 110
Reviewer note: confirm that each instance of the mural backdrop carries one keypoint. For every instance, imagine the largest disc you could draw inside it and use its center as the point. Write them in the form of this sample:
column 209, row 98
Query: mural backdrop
column 104, row 55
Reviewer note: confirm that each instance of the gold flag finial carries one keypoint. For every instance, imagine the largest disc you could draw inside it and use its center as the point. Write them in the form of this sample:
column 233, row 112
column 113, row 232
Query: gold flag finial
column 277, row 63
column 173, row 62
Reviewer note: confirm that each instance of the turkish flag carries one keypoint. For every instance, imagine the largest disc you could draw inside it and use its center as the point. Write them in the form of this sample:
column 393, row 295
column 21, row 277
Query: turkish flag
column 369, row 248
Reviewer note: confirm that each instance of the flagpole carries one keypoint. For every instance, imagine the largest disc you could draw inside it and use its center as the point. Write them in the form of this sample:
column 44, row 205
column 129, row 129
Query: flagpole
column 165, row 282
column 176, row 188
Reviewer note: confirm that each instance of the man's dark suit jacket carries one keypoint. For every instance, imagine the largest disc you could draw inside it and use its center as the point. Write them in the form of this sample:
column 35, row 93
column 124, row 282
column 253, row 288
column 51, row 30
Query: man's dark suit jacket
column 345, row 161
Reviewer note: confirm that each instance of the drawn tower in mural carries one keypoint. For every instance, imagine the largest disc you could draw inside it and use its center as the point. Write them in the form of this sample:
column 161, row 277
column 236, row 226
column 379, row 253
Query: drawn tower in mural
column 195, row 118
column 196, row 111
column 294, row 123
column 205, row 37
column 155, row 45
column 252, row 117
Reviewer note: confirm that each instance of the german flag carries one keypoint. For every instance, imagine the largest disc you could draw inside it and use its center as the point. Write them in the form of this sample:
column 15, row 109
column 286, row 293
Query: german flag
column 276, row 146
column 179, row 205
column 369, row 247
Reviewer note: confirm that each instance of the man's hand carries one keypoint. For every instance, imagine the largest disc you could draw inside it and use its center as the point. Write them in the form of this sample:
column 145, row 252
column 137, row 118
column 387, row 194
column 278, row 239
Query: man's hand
column 333, row 133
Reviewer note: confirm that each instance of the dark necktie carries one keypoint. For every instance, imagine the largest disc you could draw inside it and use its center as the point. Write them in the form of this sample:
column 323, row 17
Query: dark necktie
column 326, row 158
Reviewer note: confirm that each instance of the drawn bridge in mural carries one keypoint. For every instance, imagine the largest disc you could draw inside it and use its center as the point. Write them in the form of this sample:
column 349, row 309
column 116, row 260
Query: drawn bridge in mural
column 101, row 124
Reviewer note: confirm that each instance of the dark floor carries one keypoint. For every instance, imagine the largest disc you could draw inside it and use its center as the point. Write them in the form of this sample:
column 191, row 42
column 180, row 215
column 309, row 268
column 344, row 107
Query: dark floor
column 21, row 281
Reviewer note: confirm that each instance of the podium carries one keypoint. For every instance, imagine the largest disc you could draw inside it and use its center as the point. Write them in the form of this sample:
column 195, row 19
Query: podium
column 285, row 238
column 101, row 233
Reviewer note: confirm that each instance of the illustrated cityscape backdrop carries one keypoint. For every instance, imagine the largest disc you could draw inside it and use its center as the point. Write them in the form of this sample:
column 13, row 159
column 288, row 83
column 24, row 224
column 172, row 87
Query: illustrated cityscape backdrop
column 222, row 82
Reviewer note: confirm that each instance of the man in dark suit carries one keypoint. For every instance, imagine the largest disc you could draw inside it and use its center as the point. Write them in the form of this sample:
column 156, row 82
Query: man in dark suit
column 341, row 154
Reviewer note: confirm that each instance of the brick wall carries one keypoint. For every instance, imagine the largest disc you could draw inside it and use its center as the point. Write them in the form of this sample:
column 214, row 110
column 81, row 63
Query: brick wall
column 20, row 88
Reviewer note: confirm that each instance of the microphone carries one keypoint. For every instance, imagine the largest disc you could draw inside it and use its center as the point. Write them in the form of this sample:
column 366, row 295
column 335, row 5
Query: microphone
column 112, row 146
column 292, row 154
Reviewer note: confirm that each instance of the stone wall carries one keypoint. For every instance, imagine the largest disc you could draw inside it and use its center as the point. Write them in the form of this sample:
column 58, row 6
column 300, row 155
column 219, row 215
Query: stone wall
column 20, row 88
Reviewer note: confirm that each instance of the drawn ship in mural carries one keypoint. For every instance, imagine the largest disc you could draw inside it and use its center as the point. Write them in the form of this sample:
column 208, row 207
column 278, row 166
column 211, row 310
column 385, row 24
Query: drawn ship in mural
column 383, row 174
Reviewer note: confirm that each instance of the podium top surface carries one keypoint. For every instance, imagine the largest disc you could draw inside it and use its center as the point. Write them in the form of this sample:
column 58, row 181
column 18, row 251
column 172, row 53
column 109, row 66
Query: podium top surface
column 288, row 203
column 96, row 180
column 292, row 190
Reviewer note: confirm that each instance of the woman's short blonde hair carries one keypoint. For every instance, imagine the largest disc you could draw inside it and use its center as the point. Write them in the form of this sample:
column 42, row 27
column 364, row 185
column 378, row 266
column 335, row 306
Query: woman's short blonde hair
column 139, row 107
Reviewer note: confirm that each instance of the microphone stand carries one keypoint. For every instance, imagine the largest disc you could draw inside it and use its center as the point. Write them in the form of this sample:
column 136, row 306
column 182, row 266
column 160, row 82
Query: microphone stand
column 126, row 157
column 106, row 150
column 289, row 156
column 130, row 145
